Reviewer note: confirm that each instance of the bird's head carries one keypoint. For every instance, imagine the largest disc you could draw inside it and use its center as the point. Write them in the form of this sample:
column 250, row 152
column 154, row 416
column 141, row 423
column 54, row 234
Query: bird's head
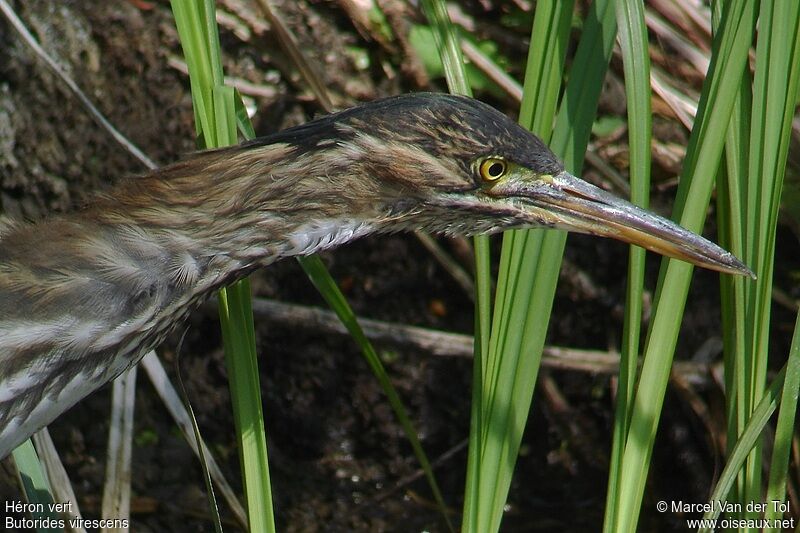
column 441, row 163
column 454, row 165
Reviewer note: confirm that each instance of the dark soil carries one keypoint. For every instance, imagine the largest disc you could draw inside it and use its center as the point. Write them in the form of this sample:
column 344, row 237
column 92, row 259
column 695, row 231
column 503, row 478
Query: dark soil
column 336, row 450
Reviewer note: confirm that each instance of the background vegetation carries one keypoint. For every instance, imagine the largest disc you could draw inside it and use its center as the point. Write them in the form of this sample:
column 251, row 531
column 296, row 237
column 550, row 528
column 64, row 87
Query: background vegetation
column 342, row 461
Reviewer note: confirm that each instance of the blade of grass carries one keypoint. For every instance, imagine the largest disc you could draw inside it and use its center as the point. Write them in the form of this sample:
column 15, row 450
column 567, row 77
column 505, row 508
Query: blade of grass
column 747, row 440
column 246, row 399
column 774, row 98
column 34, row 482
column 520, row 323
column 447, row 43
column 190, row 25
column 757, row 314
column 784, row 432
column 455, row 73
column 546, row 56
column 327, row 287
column 732, row 288
column 765, row 110
column 702, row 160
column 545, row 66
column 216, row 121
column 636, row 64
column 61, row 487
column 733, row 291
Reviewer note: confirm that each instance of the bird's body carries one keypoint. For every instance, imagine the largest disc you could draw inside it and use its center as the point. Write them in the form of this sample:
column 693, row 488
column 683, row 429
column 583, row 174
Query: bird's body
column 85, row 295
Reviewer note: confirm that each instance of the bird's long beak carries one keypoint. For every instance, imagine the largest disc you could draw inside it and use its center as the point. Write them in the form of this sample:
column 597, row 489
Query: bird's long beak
column 569, row 203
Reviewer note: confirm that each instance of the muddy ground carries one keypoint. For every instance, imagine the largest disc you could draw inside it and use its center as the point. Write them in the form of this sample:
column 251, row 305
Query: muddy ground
column 337, row 453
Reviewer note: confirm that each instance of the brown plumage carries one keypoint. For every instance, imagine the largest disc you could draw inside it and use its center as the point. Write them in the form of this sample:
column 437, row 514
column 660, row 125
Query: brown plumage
column 85, row 295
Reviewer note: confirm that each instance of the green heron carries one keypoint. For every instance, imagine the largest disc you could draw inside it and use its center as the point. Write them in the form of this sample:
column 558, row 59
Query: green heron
column 83, row 296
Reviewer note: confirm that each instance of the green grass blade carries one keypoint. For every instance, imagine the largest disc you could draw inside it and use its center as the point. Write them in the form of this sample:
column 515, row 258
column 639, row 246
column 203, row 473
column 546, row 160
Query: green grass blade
column 448, row 44
column 191, row 29
column 732, row 288
column 242, row 120
column 243, row 374
column 210, row 37
column 784, row 431
column 327, row 287
column 34, row 482
column 524, row 300
column 734, row 291
column 703, row 155
column 757, row 204
column 747, row 440
column 636, row 64
column 774, row 98
column 215, row 112
column 224, row 115
column 756, row 163
column 238, row 336
column 545, row 66
column 453, row 64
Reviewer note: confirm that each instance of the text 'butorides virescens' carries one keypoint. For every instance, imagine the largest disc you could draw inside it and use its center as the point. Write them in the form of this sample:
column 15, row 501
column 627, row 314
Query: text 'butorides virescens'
column 83, row 296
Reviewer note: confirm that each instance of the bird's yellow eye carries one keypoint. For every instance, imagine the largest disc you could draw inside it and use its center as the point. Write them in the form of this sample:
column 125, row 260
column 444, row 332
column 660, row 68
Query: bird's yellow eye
column 493, row 168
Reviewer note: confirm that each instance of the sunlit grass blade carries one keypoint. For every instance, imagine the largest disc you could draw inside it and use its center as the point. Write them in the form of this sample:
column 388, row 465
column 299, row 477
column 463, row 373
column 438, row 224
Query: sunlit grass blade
column 453, row 66
column 243, row 123
column 636, row 64
column 327, row 287
column 61, row 488
column 756, row 158
column 34, row 482
column 542, row 83
column 526, row 283
column 238, row 334
column 733, row 290
column 702, row 160
column 545, row 66
column 216, row 120
column 751, row 433
column 774, row 98
column 784, row 432
column 190, row 23
column 730, row 213
column 447, row 42
column 235, row 313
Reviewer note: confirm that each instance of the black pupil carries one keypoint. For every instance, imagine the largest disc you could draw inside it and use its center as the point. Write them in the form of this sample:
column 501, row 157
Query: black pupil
column 496, row 170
